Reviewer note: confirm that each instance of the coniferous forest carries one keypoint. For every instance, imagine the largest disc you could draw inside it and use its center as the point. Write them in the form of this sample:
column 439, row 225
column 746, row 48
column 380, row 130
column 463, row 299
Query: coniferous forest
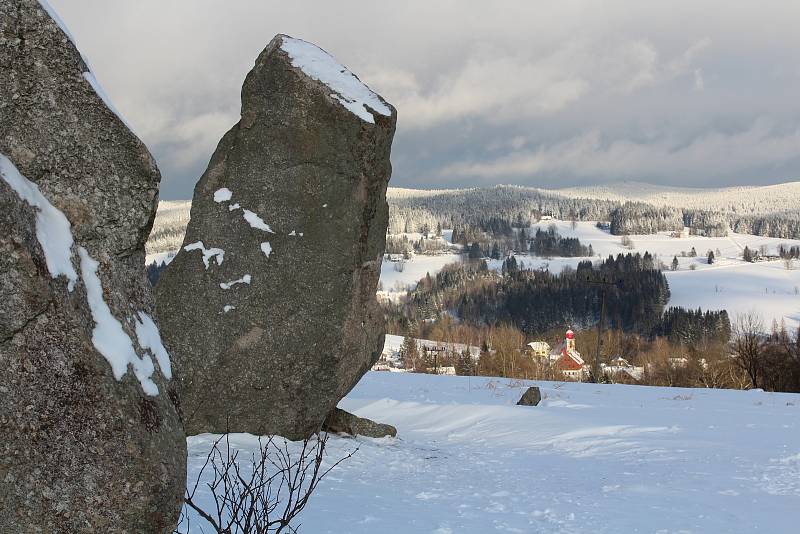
column 520, row 206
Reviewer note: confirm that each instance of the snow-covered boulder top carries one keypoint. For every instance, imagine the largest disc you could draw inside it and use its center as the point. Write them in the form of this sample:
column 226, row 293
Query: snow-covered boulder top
column 348, row 89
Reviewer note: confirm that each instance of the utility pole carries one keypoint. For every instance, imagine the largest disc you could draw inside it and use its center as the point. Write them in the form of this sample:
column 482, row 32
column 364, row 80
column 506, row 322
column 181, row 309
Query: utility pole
column 604, row 284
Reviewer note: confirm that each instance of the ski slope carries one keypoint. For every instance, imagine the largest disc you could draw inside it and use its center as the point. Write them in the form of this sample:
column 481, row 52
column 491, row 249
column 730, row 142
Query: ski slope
column 589, row 459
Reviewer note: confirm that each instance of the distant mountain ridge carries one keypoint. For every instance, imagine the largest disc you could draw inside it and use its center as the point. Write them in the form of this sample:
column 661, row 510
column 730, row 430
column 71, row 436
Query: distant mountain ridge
column 738, row 199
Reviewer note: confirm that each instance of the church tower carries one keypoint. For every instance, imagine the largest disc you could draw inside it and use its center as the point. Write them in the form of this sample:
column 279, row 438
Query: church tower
column 570, row 340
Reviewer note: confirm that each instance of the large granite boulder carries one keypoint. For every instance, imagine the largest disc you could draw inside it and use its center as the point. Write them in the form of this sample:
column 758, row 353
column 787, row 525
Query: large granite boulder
column 269, row 308
column 90, row 435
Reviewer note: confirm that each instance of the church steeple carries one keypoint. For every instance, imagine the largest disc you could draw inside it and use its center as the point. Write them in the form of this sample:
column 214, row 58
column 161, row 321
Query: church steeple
column 570, row 340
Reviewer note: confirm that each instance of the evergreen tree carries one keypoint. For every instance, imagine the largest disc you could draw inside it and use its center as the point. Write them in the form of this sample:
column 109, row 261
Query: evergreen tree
column 748, row 255
column 674, row 263
column 475, row 251
column 409, row 353
column 710, row 257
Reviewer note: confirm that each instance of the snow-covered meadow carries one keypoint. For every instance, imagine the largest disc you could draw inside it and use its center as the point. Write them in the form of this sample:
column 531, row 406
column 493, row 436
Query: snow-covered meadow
column 589, row 458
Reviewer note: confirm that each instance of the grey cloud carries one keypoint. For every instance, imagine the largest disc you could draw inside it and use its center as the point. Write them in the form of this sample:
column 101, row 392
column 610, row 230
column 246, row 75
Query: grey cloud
column 524, row 92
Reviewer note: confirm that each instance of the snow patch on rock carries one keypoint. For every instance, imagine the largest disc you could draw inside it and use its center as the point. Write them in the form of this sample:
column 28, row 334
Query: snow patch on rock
column 266, row 248
column 108, row 336
column 217, row 253
column 53, row 229
column 348, row 89
column 228, row 308
column 88, row 75
column 150, row 338
column 243, row 280
column 222, row 195
column 256, row 222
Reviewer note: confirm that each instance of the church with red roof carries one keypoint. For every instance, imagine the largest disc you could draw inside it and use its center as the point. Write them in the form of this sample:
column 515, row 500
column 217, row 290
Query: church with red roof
column 567, row 359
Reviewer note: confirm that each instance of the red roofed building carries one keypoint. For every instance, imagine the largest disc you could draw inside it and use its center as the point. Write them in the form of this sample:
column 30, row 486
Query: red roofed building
column 567, row 359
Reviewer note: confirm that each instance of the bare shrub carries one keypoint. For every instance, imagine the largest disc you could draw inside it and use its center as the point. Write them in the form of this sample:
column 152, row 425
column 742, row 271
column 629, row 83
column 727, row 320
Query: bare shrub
column 747, row 346
column 263, row 494
column 626, row 242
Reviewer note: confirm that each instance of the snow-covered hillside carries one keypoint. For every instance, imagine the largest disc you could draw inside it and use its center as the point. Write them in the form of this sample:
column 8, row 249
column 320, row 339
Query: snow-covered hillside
column 590, row 458
column 730, row 284
column 742, row 200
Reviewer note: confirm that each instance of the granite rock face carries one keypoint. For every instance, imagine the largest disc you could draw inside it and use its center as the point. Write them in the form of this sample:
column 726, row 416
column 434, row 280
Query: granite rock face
column 342, row 422
column 91, row 439
column 269, row 308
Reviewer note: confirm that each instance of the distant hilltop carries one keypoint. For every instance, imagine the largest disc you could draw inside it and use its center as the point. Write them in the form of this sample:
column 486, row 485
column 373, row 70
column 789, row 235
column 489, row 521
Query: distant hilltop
column 629, row 207
column 743, row 199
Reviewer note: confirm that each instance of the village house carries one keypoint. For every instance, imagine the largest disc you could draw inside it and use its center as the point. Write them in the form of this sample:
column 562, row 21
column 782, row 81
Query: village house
column 440, row 350
column 538, row 349
column 620, row 370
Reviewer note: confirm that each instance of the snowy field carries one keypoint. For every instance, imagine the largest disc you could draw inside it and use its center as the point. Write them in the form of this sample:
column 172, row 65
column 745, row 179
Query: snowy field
column 590, row 458
column 414, row 270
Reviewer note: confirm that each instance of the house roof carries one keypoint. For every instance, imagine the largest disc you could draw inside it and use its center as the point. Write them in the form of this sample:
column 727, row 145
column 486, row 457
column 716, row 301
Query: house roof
column 569, row 361
column 539, row 345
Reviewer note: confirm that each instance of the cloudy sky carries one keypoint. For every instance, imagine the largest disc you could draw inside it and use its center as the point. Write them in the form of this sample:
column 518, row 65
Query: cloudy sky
column 549, row 94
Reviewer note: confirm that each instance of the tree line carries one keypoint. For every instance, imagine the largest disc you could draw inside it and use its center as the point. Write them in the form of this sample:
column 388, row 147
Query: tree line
column 521, row 206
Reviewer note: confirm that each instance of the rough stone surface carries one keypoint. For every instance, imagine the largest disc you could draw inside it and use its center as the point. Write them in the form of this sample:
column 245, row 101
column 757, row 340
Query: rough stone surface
column 343, row 422
column 80, row 451
column 275, row 353
column 531, row 397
